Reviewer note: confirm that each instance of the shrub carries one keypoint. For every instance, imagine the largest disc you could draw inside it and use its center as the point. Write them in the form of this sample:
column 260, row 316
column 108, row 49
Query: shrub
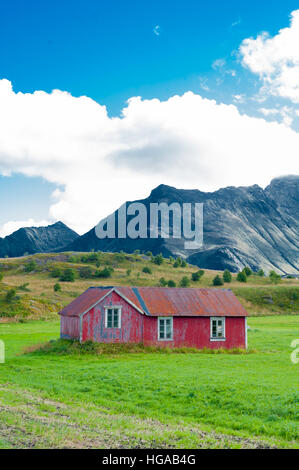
column 57, row 287
column 171, row 283
column 85, row 272
column 1, row 276
column 241, row 276
column 217, row 281
column 183, row 263
column 10, row 295
column 129, row 272
column 261, row 273
column 147, row 270
column 68, row 275
column 185, row 282
column 24, row 287
column 106, row 272
column 56, row 272
column 31, row 266
column 177, row 263
column 162, row 282
column 247, row 271
column 198, row 275
column 227, row 277
column 274, row 277
column 149, row 253
column 136, row 252
column 158, row 259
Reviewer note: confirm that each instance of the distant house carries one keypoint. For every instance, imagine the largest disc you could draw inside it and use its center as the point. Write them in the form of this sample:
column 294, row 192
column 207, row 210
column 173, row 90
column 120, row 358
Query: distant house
column 173, row 317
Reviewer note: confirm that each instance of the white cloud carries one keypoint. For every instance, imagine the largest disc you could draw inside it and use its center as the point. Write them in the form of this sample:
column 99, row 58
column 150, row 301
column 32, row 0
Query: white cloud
column 276, row 60
column 14, row 225
column 156, row 30
column 186, row 141
column 285, row 113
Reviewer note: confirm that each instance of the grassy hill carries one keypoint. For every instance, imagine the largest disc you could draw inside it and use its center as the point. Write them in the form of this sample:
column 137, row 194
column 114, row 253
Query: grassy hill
column 32, row 279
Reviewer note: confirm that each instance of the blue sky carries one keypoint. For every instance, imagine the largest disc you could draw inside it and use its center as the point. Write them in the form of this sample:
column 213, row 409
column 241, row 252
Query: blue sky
column 113, row 50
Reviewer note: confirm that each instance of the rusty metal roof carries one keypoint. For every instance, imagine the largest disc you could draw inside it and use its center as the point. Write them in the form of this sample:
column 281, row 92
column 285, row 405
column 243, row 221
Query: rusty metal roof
column 164, row 301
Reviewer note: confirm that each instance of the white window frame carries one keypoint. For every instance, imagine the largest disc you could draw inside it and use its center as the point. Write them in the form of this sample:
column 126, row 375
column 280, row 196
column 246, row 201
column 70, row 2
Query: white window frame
column 171, row 325
column 221, row 338
column 113, row 307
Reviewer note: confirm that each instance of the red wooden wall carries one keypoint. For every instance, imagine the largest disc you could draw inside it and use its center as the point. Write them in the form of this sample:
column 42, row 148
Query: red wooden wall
column 138, row 328
column 93, row 323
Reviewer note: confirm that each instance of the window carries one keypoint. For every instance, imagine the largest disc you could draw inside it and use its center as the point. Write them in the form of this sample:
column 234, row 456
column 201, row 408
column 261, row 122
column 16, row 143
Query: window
column 165, row 328
column 217, row 328
column 112, row 317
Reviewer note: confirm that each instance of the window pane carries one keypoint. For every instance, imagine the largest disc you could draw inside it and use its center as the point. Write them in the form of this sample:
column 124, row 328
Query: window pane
column 115, row 318
column 168, row 330
column 161, row 328
column 214, row 328
column 109, row 318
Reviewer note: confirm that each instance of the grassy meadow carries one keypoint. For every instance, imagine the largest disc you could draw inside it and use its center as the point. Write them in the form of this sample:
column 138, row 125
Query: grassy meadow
column 132, row 400
column 53, row 396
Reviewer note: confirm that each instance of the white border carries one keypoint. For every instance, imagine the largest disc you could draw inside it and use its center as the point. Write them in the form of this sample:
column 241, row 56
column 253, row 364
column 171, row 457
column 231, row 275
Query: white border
column 165, row 318
column 211, row 329
column 119, row 307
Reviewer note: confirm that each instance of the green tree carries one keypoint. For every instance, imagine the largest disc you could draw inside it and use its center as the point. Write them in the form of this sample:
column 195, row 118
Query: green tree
column 274, row 277
column 149, row 253
column 158, row 259
column 68, row 275
column 57, row 287
column 105, row 273
column 147, row 270
column 197, row 275
column 162, row 282
column 56, row 272
column 185, row 281
column 261, row 273
column 31, row 266
column 129, row 272
column 171, row 283
column 217, row 281
column 247, row 271
column 1, row 276
column 241, row 276
column 227, row 277
column 10, row 295
column 183, row 263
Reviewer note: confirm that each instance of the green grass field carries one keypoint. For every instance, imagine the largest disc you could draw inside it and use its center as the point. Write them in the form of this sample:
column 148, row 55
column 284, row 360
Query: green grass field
column 150, row 400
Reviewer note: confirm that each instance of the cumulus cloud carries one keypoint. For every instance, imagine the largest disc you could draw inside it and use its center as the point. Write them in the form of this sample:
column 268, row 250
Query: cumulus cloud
column 186, row 141
column 276, row 59
column 14, row 225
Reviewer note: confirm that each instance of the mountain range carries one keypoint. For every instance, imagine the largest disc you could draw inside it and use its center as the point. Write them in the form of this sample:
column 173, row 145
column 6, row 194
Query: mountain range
column 241, row 226
column 29, row 240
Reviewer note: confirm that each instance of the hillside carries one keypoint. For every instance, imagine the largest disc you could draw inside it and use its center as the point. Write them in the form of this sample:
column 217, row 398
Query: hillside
column 33, row 279
column 242, row 226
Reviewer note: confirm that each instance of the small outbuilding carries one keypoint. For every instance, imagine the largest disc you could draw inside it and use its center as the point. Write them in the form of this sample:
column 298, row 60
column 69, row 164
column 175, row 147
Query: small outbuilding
column 161, row 316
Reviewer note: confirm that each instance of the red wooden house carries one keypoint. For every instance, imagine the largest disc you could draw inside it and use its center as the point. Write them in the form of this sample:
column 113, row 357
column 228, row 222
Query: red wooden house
column 211, row 318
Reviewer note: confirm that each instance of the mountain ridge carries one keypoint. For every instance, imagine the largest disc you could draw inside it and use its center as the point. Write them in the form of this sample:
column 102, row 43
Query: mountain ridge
column 36, row 240
column 243, row 225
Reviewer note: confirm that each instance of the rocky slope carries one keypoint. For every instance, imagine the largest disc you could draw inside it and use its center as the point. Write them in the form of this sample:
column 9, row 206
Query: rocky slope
column 242, row 226
column 37, row 240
